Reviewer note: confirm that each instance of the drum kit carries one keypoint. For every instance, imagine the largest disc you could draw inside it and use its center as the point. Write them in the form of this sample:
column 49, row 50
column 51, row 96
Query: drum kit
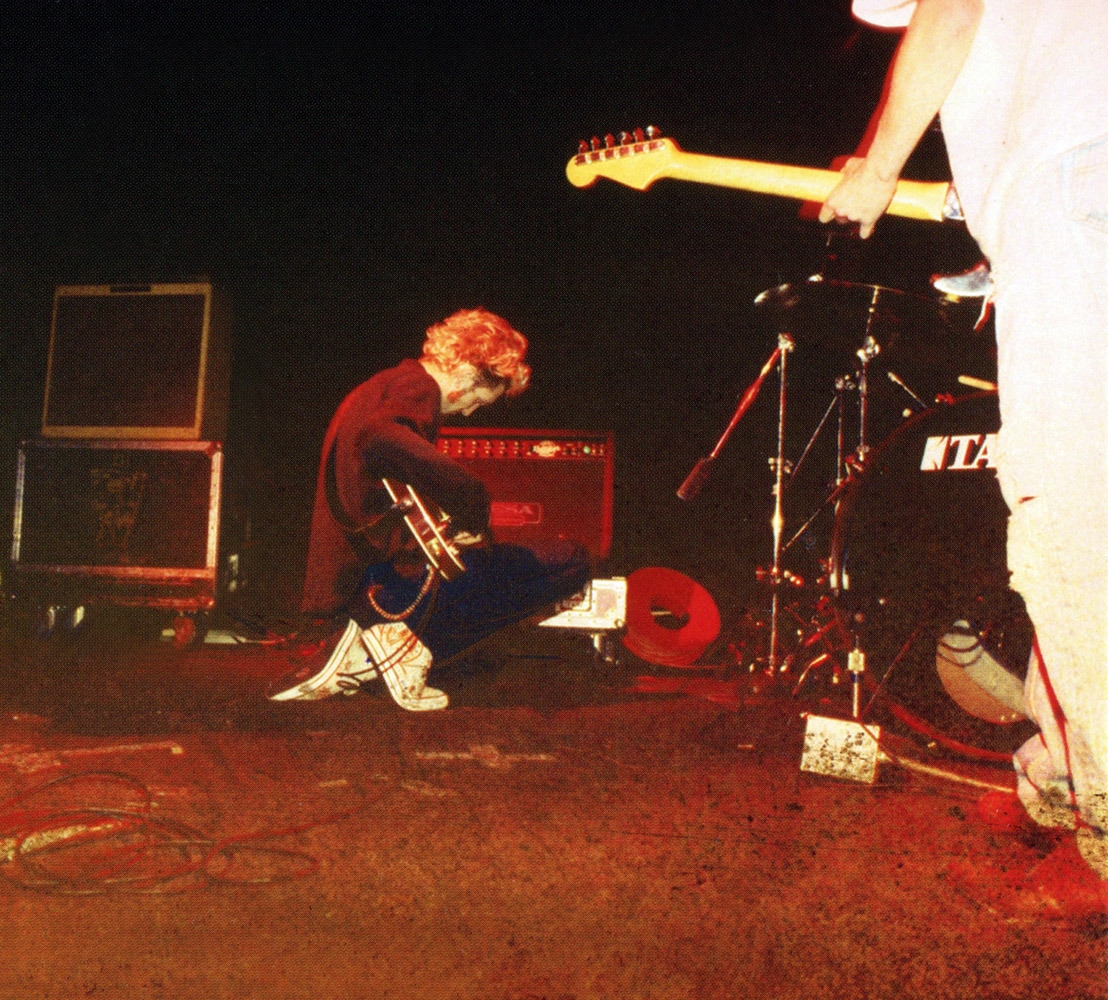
column 905, row 517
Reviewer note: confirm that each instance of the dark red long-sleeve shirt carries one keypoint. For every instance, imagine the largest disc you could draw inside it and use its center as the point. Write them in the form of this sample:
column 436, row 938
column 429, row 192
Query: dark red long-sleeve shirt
column 385, row 428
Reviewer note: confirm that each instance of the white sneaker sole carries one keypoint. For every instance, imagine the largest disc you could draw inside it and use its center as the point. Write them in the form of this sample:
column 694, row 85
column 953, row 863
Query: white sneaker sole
column 404, row 683
column 309, row 690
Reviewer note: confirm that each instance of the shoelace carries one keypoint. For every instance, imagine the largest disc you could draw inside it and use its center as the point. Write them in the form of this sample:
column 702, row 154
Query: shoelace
column 350, row 680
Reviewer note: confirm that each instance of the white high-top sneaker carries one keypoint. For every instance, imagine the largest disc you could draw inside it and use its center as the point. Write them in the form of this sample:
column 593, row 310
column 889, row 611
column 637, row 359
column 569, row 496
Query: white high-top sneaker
column 335, row 666
column 402, row 662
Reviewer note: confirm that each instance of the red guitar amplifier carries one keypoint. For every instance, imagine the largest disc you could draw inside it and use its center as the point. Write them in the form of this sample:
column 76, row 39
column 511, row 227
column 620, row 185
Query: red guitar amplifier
column 544, row 484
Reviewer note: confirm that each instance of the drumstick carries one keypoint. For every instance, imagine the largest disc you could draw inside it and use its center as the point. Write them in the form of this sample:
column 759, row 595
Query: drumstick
column 977, row 383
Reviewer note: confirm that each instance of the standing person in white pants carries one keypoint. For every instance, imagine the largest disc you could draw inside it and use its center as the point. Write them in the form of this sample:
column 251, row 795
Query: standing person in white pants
column 1022, row 86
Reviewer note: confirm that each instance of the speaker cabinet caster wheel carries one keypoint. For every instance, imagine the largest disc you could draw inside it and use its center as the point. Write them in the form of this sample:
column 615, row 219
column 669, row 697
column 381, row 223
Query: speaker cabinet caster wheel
column 72, row 619
column 189, row 629
column 56, row 618
column 46, row 621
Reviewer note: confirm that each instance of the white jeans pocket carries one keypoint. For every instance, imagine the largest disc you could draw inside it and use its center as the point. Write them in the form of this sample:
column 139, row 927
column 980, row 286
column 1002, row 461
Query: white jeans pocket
column 1085, row 181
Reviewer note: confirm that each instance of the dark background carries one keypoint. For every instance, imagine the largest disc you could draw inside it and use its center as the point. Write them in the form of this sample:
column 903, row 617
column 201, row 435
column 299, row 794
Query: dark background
column 349, row 175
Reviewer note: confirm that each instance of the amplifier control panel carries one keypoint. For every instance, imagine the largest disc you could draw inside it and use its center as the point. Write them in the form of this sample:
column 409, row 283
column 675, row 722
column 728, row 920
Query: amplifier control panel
column 475, row 445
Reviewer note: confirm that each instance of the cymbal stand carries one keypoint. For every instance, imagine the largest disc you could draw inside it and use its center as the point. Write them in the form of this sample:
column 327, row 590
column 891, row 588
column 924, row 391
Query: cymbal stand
column 856, row 658
column 866, row 353
column 829, row 627
column 842, row 384
column 837, row 405
column 830, row 632
column 844, row 467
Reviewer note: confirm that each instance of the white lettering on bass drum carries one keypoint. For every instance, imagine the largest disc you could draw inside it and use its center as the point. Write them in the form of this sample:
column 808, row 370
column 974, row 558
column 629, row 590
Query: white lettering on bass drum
column 958, row 453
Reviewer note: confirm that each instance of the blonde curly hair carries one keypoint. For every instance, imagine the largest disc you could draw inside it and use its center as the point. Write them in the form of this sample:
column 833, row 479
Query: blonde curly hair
column 483, row 340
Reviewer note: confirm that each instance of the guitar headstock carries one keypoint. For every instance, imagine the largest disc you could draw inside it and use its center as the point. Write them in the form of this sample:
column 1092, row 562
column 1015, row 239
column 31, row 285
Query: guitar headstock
column 636, row 159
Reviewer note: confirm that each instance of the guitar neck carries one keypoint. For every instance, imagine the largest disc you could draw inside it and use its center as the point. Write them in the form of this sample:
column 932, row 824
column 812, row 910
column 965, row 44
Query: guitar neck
column 642, row 161
column 912, row 200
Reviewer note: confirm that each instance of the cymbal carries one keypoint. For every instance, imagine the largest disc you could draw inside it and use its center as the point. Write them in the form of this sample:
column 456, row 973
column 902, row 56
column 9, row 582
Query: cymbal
column 830, row 317
column 819, row 308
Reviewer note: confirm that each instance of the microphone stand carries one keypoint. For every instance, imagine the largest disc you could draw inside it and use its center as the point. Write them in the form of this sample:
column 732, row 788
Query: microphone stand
column 699, row 474
column 784, row 345
column 696, row 479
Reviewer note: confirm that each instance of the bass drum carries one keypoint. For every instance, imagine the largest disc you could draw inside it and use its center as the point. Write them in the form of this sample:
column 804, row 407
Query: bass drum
column 918, row 544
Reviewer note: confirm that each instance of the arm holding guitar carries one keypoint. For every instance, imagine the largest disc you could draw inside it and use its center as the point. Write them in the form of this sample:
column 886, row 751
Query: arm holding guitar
column 395, row 452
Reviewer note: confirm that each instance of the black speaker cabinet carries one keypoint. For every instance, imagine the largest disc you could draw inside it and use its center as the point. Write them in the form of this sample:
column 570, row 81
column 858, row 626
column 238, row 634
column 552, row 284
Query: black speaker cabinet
column 544, row 484
column 119, row 522
column 137, row 362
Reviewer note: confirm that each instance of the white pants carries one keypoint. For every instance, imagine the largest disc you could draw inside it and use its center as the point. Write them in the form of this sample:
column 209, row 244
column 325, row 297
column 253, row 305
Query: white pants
column 1049, row 254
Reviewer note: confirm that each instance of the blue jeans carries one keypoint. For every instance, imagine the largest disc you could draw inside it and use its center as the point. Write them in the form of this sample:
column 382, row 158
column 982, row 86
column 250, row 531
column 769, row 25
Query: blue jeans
column 502, row 584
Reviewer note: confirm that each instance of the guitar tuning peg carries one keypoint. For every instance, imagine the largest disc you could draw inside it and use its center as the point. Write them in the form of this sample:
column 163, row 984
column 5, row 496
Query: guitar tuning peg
column 624, row 138
column 609, row 141
column 582, row 146
column 594, row 143
column 640, row 135
column 652, row 132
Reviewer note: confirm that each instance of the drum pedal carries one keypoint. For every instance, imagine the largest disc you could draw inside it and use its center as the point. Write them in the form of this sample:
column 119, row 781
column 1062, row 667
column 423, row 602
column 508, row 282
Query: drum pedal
column 841, row 748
